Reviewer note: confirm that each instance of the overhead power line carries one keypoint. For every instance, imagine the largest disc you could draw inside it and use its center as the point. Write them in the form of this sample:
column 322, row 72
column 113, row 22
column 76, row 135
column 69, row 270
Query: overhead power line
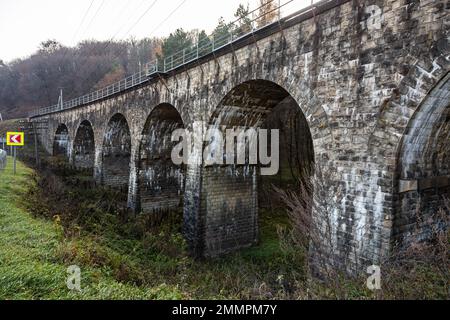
column 110, row 41
column 167, row 18
column 122, row 11
column 140, row 18
column 82, row 21
column 160, row 24
column 123, row 25
column 93, row 17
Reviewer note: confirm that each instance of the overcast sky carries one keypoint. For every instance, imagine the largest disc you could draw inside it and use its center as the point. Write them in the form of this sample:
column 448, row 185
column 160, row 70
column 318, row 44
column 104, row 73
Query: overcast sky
column 24, row 24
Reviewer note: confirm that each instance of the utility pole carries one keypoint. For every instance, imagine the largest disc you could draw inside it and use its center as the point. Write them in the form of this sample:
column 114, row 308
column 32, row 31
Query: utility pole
column 279, row 9
column 60, row 100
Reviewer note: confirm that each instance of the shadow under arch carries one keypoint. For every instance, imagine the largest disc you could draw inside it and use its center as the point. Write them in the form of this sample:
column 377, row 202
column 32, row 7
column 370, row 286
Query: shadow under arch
column 231, row 194
column 61, row 141
column 84, row 147
column 422, row 180
column 160, row 180
column 116, row 153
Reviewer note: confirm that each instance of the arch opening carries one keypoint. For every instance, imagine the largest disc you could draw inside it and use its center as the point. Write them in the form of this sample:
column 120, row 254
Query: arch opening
column 423, row 169
column 116, row 153
column 161, row 182
column 61, row 141
column 234, row 195
column 84, row 147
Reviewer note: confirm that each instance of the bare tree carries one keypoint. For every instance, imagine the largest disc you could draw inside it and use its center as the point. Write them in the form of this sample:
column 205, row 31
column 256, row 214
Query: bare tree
column 268, row 12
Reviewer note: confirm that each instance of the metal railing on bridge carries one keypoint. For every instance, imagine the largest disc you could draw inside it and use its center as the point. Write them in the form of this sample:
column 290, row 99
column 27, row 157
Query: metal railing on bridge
column 232, row 32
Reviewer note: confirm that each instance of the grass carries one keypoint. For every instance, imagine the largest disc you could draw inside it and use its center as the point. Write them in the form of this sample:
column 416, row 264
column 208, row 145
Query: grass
column 30, row 248
column 120, row 260
column 49, row 222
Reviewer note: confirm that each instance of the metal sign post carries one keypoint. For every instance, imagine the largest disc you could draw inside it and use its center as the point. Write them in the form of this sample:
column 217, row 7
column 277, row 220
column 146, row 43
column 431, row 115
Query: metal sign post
column 14, row 148
column 15, row 139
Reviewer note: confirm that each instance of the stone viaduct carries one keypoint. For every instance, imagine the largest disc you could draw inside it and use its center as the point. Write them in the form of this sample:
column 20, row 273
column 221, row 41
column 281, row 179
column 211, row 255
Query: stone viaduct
column 372, row 80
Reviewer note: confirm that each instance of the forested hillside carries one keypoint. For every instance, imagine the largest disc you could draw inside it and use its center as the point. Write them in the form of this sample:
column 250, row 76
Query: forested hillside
column 35, row 81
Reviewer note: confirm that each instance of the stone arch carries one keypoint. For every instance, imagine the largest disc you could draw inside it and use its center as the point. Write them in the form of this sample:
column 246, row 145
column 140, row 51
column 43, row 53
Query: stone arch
column 229, row 193
column 395, row 113
column 84, row 146
column 251, row 102
column 386, row 140
column 116, row 153
column 422, row 180
column 299, row 89
column 61, row 141
column 182, row 104
column 160, row 181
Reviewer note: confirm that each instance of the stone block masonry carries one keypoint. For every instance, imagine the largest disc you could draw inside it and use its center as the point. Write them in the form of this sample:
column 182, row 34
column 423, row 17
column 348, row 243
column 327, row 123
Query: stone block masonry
column 230, row 208
column 370, row 78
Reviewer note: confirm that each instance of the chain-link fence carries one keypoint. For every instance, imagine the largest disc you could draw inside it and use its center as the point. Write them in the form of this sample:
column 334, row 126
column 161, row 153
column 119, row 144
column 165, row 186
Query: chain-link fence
column 2, row 159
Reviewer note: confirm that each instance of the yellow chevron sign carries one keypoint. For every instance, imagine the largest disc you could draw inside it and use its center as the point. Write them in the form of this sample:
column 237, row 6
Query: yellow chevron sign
column 15, row 139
